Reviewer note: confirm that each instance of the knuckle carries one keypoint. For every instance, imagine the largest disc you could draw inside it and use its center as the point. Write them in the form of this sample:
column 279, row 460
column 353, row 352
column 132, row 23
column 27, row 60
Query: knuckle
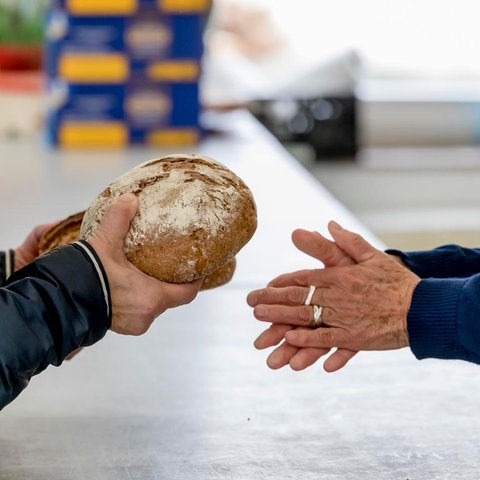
column 190, row 296
column 304, row 313
column 326, row 316
column 149, row 307
column 324, row 336
column 139, row 328
column 295, row 295
column 356, row 237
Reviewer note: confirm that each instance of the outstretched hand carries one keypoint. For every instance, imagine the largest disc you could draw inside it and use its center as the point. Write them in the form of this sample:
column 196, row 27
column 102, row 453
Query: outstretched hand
column 365, row 295
column 320, row 248
column 137, row 299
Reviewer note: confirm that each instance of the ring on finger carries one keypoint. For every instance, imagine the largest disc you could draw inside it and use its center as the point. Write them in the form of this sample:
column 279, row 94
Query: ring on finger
column 317, row 315
column 311, row 291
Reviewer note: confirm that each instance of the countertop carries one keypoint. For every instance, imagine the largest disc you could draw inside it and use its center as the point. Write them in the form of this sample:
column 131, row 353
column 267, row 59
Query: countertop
column 192, row 398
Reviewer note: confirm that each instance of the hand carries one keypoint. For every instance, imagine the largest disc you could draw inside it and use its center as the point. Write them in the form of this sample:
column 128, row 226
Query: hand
column 27, row 252
column 317, row 246
column 365, row 305
column 137, row 299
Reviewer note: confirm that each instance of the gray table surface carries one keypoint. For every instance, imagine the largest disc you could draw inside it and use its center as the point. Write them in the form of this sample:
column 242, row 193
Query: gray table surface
column 192, row 399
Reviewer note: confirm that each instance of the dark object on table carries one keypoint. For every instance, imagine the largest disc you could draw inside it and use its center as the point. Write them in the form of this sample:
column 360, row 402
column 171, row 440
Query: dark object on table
column 328, row 124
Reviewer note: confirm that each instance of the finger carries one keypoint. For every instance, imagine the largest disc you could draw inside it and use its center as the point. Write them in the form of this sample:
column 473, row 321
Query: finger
column 351, row 243
column 281, row 356
column 300, row 315
column 300, row 277
column 338, row 359
column 305, row 357
column 176, row 294
column 316, row 338
column 278, row 296
column 116, row 220
column 272, row 336
column 319, row 247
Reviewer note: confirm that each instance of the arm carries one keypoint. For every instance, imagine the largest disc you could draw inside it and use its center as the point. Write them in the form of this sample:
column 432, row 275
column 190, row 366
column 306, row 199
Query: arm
column 62, row 300
column 444, row 319
column 48, row 309
column 442, row 262
column 376, row 304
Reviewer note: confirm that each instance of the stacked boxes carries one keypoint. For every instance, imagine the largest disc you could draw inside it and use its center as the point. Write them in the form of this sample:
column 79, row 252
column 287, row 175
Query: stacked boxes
column 122, row 72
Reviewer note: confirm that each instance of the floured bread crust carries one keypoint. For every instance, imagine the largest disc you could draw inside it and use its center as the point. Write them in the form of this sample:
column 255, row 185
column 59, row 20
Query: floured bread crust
column 194, row 216
column 68, row 231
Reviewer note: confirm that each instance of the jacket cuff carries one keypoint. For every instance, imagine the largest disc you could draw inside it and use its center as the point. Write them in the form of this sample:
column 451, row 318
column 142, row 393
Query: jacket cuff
column 7, row 265
column 432, row 319
column 102, row 276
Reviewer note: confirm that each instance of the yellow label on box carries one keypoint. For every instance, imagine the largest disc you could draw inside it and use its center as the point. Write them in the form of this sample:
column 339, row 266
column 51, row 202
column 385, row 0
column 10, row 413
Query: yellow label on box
column 179, row 136
column 87, row 68
column 93, row 134
column 183, row 6
column 174, row 71
column 102, row 7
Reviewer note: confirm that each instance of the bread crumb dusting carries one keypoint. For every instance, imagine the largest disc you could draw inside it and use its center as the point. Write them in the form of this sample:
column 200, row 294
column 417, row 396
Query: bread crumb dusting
column 181, row 198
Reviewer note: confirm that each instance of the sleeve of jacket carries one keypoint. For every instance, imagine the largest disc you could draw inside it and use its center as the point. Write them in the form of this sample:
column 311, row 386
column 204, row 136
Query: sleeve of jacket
column 48, row 309
column 442, row 262
column 444, row 319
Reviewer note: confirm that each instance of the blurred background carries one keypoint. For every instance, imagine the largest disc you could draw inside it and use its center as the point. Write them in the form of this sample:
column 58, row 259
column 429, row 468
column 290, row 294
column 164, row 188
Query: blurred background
column 378, row 99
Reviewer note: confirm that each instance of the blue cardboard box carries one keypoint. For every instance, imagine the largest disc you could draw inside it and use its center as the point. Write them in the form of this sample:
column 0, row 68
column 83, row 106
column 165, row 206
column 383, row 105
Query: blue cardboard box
column 124, row 71
column 132, row 7
column 122, row 114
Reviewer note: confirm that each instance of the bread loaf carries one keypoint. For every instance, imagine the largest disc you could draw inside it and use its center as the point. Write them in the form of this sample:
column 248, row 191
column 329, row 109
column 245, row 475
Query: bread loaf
column 194, row 216
column 64, row 232
column 68, row 231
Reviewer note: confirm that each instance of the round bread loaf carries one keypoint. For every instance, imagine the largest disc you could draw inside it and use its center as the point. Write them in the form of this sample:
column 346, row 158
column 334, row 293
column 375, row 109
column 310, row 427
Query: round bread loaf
column 68, row 231
column 194, row 216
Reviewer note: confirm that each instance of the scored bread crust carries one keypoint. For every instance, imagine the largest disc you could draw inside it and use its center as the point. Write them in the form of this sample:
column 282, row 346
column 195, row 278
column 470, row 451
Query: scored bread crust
column 64, row 232
column 194, row 216
column 68, row 231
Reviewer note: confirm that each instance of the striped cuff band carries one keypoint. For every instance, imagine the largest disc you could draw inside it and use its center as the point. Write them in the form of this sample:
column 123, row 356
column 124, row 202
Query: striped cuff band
column 102, row 276
column 7, row 265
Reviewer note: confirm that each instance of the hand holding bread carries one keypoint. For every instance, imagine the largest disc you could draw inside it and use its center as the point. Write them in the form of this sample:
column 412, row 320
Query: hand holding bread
column 136, row 298
column 194, row 216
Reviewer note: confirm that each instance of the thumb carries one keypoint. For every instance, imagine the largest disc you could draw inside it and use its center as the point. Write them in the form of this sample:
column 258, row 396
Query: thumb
column 351, row 243
column 116, row 221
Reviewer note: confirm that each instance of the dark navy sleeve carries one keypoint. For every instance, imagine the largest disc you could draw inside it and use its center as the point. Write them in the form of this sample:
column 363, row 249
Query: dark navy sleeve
column 48, row 309
column 443, row 262
column 444, row 316
column 444, row 319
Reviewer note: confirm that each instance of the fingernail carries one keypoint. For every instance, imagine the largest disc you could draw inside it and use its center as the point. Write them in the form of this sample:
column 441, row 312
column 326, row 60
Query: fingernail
column 251, row 299
column 260, row 311
column 127, row 197
column 290, row 336
column 335, row 226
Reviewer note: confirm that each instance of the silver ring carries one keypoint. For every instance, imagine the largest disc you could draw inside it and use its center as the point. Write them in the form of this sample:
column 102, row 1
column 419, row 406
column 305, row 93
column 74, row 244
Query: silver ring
column 317, row 315
column 310, row 294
